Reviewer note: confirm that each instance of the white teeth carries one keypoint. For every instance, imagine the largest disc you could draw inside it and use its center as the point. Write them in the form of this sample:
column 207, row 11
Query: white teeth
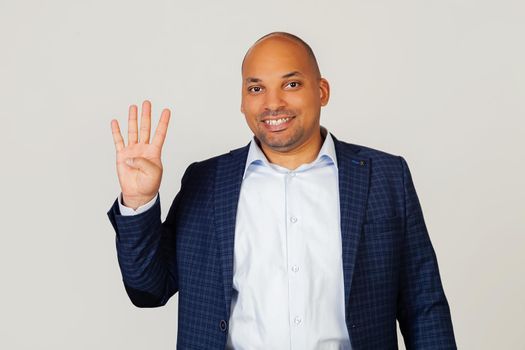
column 276, row 121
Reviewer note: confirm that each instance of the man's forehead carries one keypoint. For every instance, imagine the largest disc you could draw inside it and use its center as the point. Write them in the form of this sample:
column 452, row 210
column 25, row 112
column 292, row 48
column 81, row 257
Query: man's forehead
column 275, row 61
column 256, row 79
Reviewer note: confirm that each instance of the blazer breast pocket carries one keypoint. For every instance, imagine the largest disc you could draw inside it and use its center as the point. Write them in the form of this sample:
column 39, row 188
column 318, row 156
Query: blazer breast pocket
column 383, row 226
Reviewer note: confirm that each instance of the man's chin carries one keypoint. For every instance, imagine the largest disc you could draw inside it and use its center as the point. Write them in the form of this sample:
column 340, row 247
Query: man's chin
column 279, row 143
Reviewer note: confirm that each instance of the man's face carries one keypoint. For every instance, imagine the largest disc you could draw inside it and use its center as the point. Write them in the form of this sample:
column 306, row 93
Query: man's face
column 282, row 95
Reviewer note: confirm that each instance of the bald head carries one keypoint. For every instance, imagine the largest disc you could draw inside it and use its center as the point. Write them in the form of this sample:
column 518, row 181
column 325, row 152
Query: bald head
column 282, row 96
column 284, row 37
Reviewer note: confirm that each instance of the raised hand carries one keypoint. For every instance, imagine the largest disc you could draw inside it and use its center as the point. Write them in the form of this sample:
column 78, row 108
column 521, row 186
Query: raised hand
column 139, row 167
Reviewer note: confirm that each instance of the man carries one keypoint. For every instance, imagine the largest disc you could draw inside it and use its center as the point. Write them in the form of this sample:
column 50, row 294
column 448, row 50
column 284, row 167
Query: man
column 295, row 241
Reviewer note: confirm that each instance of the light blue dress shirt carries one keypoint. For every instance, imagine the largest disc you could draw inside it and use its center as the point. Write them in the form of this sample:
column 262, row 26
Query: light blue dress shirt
column 288, row 271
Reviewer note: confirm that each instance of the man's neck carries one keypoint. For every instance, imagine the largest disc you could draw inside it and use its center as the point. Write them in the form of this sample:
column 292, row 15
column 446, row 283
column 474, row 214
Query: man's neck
column 292, row 159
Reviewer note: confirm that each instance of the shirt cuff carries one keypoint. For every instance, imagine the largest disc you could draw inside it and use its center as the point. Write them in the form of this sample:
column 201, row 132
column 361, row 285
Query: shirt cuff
column 127, row 211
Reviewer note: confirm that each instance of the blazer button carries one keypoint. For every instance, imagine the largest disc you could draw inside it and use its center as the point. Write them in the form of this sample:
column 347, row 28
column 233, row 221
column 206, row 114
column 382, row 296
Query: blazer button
column 223, row 325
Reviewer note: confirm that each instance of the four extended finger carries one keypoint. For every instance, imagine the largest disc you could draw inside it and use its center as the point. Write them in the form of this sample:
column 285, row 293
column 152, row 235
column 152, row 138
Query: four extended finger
column 145, row 122
column 162, row 128
column 132, row 125
column 117, row 136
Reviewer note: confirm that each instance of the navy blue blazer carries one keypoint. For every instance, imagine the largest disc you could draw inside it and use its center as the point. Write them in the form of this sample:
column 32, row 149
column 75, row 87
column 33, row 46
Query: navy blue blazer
column 390, row 268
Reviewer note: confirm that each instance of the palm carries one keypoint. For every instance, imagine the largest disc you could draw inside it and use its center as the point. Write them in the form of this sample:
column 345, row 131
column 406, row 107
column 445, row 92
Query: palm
column 135, row 182
column 138, row 185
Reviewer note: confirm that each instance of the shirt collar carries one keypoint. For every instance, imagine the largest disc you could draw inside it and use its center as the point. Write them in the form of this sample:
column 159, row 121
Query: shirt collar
column 326, row 153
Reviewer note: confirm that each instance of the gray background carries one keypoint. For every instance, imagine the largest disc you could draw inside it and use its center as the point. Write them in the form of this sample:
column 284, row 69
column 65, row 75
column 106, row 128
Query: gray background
column 440, row 82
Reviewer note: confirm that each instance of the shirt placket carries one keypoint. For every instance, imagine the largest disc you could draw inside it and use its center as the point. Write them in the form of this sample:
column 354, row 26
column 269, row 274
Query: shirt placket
column 295, row 266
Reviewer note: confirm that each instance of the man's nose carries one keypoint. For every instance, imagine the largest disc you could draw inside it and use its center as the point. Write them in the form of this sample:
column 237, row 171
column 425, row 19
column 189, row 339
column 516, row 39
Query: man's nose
column 274, row 100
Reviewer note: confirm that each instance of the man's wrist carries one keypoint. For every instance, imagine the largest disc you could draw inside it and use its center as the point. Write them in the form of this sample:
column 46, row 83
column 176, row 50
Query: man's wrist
column 126, row 209
column 135, row 203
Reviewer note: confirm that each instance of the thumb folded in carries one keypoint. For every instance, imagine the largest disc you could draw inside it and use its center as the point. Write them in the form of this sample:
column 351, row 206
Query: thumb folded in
column 141, row 163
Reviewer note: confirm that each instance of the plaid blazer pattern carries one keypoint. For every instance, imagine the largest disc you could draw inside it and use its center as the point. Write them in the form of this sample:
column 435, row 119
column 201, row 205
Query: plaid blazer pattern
column 389, row 265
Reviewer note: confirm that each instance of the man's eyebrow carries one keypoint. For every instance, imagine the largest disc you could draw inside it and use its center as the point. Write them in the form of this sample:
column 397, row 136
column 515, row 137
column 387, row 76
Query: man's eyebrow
column 252, row 80
column 287, row 75
column 291, row 74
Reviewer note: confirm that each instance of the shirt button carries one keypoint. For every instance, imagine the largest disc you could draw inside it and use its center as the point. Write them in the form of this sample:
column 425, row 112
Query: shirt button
column 223, row 325
column 297, row 320
column 295, row 268
column 293, row 219
column 291, row 173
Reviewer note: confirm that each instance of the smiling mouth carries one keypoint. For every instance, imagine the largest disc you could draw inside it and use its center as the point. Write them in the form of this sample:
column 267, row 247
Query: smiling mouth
column 274, row 122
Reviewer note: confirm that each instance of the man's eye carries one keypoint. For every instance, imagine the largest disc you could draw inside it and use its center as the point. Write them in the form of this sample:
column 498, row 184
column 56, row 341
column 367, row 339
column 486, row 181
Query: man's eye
column 255, row 89
column 293, row 84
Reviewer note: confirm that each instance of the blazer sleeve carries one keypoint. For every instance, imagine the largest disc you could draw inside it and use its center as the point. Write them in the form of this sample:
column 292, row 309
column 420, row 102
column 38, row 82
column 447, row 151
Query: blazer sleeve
column 146, row 251
column 423, row 311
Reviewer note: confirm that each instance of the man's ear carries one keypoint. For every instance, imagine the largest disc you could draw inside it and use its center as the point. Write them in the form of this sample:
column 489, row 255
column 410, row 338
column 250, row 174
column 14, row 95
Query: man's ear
column 242, row 108
column 324, row 91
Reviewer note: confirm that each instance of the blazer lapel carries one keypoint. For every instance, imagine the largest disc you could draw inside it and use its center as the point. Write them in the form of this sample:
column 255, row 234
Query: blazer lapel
column 228, row 181
column 354, row 177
